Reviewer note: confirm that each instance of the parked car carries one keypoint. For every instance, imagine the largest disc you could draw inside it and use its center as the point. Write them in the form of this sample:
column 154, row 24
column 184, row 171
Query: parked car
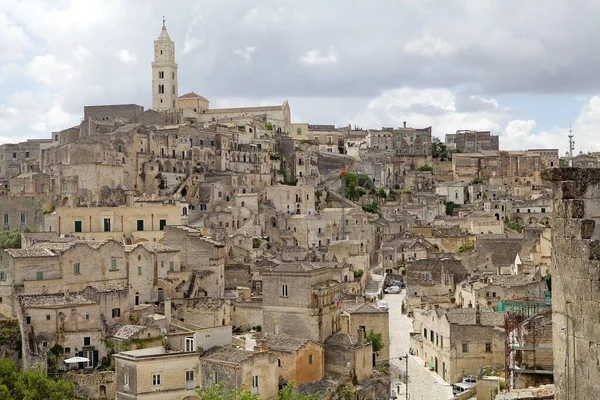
column 459, row 388
column 383, row 305
column 469, row 380
column 392, row 290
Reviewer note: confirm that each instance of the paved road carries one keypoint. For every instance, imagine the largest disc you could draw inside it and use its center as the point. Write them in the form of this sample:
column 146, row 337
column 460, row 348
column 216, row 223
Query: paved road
column 422, row 383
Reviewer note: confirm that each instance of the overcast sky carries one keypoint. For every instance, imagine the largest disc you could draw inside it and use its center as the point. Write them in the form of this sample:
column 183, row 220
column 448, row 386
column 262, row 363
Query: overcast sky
column 523, row 69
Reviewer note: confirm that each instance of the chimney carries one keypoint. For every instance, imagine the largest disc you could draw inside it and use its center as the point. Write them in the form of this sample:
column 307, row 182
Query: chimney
column 405, row 124
column 168, row 313
column 361, row 337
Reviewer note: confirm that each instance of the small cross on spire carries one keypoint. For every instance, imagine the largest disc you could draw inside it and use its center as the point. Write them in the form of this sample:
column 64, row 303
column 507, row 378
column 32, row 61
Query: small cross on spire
column 164, row 20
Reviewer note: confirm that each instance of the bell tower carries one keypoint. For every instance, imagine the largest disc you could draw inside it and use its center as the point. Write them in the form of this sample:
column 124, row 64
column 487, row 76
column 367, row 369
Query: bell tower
column 164, row 73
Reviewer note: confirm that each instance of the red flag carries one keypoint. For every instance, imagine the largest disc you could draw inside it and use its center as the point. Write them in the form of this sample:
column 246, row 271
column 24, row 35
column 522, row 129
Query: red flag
column 343, row 172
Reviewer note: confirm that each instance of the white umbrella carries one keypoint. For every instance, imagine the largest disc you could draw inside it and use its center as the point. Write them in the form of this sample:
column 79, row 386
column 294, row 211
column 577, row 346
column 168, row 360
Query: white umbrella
column 76, row 359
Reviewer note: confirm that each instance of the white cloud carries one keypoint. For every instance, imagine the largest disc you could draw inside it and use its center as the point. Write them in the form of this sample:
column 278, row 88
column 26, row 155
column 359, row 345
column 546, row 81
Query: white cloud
column 13, row 39
column 245, row 53
column 429, row 107
column 191, row 42
column 81, row 54
column 262, row 17
column 126, row 57
column 428, row 46
column 316, row 57
column 49, row 71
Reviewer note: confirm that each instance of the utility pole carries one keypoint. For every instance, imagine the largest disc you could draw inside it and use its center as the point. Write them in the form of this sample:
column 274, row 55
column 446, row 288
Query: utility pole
column 405, row 377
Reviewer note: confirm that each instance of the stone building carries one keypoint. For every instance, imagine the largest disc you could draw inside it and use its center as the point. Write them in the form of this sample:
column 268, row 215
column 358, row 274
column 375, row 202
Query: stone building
column 466, row 141
column 164, row 73
column 348, row 356
column 144, row 222
column 404, row 140
column 575, row 290
column 298, row 360
column 20, row 158
column 366, row 317
column 204, row 256
column 432, row 277
column 303, row 299
column 458, row 342
column 236, row 368
column 85, row 288
column 291, row 199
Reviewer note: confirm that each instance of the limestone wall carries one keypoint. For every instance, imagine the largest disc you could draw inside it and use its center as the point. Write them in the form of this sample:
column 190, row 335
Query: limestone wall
column 576, row 282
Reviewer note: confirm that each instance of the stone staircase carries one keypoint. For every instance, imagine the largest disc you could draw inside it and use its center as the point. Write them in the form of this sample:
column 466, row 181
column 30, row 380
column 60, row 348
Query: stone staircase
column 374, row 286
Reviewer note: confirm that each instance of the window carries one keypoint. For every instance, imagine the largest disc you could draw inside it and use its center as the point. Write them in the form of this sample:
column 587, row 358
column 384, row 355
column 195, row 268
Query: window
column 120, row 148
column 465, row 347
column 140, row 224
column 441, row 341
column 28, row 320
column 26, row 154
column 56, row 137
column 5, row 219
column 139, row 270
column 488, row 347
column 171, row 266
column 425, row 333
column 310, row 359
column 14, row 155
column 39, row 276
column 87, row 317
column 424, row 139
column 411, row 139
column 155, row 379
column 113, row 265
column 125, row 379
column 76, row 269
column 431, row 336
column 543, row 210
column 2, row 276
column 298, row 131
column 77, row 226
column 22, row 219
column 493, row 294
column 189, row 343
column 87, row 341
column 67, row 350
column 216, row 377
column 47, row 317
column 189, row 379
column 161, row 74
column 44, row 344
column 162, row 223
column 284, row 290
column 255, row 382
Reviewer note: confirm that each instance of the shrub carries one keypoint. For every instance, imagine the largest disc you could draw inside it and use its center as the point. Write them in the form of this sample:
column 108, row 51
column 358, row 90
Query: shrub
column 425, row 168
column 358, row 274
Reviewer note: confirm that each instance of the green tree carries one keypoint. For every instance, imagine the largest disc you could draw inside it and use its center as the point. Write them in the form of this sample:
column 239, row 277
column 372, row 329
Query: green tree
column 375, row 339
column 450, row 207
column 477, row 181
column 10, row 239
column 381, row 193
column 425, row 168
column 372, row 207
column 288, row 393
column 31, row 385
column 548, row 279
column 217, row 392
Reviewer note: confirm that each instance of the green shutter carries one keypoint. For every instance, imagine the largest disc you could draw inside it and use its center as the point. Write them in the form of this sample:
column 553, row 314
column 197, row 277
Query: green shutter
column 162, row 223
column 77, row 226
column 140, row 224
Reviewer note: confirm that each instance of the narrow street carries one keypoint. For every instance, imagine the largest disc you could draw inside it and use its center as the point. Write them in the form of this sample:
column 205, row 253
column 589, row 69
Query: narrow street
column 422, row 383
